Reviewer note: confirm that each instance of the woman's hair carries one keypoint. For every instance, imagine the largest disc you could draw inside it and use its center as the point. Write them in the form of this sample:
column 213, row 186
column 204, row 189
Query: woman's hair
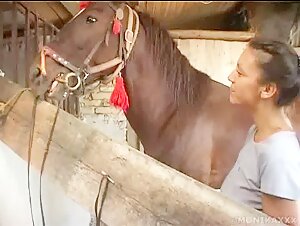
column 280, row 64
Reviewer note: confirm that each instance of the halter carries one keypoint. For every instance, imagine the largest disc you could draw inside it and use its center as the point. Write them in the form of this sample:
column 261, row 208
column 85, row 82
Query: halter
column 82, row 73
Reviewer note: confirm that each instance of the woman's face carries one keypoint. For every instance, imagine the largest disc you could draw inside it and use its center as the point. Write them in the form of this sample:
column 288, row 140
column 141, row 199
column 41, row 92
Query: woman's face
column 246, row 88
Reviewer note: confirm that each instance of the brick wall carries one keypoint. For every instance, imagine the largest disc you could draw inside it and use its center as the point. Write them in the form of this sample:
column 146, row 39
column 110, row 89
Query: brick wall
column 96, row 111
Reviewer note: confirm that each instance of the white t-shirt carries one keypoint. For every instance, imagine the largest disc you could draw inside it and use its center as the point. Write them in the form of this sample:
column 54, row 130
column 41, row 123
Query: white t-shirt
column 271, row 166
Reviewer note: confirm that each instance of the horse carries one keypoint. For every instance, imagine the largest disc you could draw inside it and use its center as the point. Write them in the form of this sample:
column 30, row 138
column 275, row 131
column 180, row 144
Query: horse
column 183, row 118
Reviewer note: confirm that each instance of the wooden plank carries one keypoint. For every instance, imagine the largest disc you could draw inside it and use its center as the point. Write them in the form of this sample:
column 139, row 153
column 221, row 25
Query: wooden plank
column 5, row 6
column 131, row 137
column 146, row 192
column 24, row 6
column 214, row 35
column 72, row 7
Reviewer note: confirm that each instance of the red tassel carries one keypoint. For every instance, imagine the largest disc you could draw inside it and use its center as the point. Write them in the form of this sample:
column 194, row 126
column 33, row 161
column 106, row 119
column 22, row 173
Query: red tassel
column 84, row 4
column 117, row 26
column 119, row 97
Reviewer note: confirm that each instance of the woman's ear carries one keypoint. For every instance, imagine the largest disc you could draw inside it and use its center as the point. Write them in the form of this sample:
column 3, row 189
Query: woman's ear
column 268, row 90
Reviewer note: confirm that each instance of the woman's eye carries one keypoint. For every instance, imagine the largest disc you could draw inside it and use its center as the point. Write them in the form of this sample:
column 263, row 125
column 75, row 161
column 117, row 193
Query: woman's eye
column 239, row 74
column 90, row 20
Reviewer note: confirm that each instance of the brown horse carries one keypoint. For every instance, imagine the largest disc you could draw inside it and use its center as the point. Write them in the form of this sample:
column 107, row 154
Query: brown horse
column 183, row 118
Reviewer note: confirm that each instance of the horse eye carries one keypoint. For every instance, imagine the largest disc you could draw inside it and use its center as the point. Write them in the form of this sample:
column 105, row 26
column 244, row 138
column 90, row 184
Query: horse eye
column 90, row 20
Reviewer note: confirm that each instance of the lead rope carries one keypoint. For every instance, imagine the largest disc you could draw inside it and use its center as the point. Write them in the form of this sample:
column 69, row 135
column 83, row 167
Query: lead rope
column 29, row 154
column 5, row 109
column 44, row 160
column 105, row 179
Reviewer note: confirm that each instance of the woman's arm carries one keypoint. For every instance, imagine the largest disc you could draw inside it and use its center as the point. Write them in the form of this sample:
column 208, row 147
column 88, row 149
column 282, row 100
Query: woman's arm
column 287, row 211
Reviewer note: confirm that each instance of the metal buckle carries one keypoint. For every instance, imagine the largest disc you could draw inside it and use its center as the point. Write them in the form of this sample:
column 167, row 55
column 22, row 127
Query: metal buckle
column 104, row 174
column 69, row 75
column 86, row 74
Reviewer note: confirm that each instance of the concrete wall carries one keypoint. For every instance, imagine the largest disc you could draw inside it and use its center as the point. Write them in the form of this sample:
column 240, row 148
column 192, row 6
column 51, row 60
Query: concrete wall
column 215, row 57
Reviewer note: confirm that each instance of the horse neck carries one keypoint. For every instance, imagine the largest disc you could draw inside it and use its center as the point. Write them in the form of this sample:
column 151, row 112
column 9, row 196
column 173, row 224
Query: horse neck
column 151, row 98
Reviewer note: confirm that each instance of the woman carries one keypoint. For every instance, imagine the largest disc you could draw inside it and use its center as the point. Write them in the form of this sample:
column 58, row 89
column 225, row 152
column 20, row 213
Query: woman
column 266, row 175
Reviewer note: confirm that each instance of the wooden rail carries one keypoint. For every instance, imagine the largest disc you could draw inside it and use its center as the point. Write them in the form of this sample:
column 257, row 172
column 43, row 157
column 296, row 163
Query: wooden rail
column 213, row 35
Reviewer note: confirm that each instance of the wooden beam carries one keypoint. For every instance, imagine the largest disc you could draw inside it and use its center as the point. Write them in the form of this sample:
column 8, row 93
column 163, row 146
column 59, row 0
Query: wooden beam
column 52, row 12
column 213, row 35
column 72, row 7
column 145, row 192
column 5, row 6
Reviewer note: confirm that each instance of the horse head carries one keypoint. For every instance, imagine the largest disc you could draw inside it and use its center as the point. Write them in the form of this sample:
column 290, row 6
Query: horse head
column 93, row 47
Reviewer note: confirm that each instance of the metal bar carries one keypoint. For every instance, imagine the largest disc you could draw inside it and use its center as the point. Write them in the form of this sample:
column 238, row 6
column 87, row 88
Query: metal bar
column 44, row 33
column 65, row 105
column 14, row 43
column 52, row 34
column 36, row 31
column 72, row 100
column 77, row 107
column 27, row 55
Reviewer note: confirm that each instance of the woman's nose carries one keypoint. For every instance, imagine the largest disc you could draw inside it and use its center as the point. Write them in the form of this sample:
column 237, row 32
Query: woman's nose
column 231, row 76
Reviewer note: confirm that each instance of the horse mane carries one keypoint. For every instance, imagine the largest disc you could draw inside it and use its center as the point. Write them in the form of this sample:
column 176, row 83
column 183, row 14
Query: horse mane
column 188, row 85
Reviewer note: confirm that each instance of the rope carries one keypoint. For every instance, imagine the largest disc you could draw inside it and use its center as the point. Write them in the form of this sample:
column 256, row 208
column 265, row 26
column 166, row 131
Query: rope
column 5, row 108
column 29, row 155
column 44, row 160
column 105, row 179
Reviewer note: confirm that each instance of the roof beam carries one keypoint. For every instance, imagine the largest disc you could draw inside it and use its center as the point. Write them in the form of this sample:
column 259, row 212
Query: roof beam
column 72, row 7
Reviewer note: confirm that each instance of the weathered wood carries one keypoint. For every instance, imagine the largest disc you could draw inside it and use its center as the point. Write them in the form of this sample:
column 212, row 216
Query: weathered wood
column 146, row 192
column 131, row 137
column 213, row 35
